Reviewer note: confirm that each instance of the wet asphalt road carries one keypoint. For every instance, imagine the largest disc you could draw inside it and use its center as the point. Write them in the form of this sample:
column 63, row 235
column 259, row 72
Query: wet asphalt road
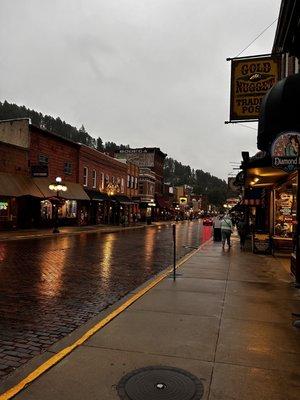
column 51, row 286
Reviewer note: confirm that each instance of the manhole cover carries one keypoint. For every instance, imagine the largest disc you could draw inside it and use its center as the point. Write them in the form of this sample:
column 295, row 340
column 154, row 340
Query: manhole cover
column 160, row 383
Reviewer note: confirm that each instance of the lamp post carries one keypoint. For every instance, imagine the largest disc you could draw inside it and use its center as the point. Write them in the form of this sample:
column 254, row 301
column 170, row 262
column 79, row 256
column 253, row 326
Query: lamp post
column 57, row 187
column 111, row 190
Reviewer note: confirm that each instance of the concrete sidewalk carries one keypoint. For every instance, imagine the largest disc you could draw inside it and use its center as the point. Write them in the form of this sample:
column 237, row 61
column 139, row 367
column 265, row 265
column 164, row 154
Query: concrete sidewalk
column 227, row 320
column 22, row 234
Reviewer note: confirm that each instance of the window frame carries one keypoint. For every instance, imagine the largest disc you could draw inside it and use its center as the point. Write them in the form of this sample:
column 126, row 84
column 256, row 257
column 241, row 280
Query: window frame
column 85, row 176
column 43, row 162
column 94, row 179
column 68, row 168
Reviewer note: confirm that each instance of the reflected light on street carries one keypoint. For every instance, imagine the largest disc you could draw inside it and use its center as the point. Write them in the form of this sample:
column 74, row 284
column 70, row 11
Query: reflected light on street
column 51, row 283
column 3, row 252
column 149, row 244
column 108, row 247
column 207, row 232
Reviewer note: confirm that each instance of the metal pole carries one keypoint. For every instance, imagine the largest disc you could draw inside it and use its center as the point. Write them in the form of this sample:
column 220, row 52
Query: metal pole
column 174, row 252
column 55, row 229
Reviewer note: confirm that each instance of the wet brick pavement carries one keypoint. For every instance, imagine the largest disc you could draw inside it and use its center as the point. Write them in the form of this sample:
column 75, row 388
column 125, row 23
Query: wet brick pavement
column 51, row 286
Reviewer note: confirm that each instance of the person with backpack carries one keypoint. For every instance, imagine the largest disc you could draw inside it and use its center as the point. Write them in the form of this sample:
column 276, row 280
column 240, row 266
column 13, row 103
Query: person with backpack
column 226, row 230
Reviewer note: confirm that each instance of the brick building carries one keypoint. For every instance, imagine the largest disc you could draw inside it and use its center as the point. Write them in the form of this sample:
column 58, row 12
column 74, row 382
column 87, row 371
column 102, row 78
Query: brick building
column 57, row 154
column 30, row 160
column 147, row 157
column 104, row 179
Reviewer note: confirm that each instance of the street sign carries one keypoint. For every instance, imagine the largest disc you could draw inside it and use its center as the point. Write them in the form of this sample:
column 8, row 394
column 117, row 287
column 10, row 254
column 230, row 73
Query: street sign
column 285, row 151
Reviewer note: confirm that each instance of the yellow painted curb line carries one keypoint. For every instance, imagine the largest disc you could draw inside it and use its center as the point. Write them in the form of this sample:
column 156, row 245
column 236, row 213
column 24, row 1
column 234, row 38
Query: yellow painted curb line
column 67, row 350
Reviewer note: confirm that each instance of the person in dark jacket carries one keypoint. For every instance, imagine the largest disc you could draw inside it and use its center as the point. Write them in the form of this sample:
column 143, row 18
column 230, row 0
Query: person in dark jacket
column 242, row 230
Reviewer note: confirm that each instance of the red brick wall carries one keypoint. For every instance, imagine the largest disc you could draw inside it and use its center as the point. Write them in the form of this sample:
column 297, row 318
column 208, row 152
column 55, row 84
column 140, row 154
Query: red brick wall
column 58, row 152
column 133, row 170
column 101, row 163
column 13, row 160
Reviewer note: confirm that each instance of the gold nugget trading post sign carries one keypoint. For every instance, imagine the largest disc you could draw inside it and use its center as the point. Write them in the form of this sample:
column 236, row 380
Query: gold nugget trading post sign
column 251, row 78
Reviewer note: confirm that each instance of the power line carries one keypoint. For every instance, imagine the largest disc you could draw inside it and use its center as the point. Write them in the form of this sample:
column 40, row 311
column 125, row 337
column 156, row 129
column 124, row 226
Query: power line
column 261, row 33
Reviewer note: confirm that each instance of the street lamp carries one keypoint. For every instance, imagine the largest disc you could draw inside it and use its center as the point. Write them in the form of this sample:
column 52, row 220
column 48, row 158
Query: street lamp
column 111, row 190
column 57, row 187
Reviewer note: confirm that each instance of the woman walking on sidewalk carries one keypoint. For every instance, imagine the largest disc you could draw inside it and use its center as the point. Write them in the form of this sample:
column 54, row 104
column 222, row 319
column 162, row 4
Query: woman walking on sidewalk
column 226, row 230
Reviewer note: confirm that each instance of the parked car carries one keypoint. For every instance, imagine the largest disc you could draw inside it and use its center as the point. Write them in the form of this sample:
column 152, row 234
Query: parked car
column 207, row 221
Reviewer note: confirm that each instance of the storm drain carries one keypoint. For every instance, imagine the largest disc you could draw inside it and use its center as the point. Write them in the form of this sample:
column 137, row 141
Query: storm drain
column 160, row 383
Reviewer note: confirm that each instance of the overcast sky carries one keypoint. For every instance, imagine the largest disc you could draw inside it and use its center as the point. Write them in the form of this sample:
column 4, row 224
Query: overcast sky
column 138, row 72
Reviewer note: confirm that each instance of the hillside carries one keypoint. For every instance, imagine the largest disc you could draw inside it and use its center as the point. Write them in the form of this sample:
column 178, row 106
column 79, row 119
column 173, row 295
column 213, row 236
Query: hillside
column 175, row 172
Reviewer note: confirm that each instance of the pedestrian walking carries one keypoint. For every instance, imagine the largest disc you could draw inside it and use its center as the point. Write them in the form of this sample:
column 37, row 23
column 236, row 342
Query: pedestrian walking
column 217, row 228
column 226, row 230
column 242, row 230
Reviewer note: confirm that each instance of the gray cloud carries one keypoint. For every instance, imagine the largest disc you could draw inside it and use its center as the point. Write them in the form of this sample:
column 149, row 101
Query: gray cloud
column 143, row 72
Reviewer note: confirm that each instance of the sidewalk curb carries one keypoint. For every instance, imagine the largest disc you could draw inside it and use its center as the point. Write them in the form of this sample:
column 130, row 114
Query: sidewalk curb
column 111, row 313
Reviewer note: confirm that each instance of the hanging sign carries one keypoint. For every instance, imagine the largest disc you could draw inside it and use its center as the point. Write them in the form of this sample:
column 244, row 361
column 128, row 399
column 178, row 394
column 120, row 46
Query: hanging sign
column 285, row 151
column 251, row 78
column 183, row 200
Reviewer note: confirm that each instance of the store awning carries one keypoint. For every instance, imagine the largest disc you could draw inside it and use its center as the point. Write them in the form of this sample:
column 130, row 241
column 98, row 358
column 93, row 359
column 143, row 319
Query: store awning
column 96, row 195
column 267, row 176
column 13, row 185
column 74, row 190
column 279, row 111
column 122, row 199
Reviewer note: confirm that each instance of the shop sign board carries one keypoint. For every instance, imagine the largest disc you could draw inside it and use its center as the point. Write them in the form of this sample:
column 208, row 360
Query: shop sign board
column 285, row 151
column 183, row 200
column 251, row 78
column 232, row 186
column 261, row 243
column 39, row 171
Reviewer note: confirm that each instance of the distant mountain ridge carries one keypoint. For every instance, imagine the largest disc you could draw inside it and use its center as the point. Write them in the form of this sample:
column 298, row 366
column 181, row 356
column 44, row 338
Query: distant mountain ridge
column 175, row 173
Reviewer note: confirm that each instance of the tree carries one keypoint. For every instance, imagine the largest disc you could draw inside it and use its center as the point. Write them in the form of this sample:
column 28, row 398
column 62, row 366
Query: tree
column 99, row 145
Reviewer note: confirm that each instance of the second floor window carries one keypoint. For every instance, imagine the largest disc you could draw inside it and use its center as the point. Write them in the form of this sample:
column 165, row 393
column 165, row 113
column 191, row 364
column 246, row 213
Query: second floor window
column 43, row 160
column 132, row 182
column 122, row 185
column 94, row 179
column 68, row 168
column 128, row 181
column 135, row 182
column 102, row 181
column 85, row 176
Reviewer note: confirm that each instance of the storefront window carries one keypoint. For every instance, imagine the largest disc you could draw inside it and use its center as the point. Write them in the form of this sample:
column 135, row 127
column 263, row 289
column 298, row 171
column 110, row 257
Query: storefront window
column 3, row 209
column 46, row 210
column 285, row 209
column 68, row 209
column 71, row 208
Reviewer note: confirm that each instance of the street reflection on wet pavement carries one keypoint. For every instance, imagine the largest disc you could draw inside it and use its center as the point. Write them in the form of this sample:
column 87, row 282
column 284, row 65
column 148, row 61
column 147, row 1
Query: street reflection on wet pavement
column 51, row 286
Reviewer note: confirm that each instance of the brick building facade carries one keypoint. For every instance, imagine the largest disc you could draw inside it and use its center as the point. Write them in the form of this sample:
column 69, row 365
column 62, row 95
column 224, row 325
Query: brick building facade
column 60, row 155
column 30, row 160
column 147, row 157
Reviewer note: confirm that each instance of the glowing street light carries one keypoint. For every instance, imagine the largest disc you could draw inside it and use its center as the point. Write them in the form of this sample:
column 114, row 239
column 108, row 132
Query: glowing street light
column 57, row 187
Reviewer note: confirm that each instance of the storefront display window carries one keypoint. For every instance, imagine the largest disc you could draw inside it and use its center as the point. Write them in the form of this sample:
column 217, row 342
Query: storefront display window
column 46, row 209
column 285, row 210
column 3, row 209
column 71, row 208
column 68, row 209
